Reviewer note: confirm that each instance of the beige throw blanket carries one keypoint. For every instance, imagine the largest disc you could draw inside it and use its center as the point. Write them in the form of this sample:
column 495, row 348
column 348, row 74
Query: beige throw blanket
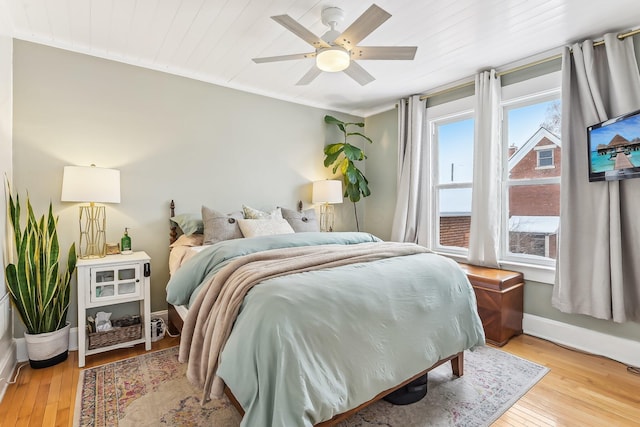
column 212, row 315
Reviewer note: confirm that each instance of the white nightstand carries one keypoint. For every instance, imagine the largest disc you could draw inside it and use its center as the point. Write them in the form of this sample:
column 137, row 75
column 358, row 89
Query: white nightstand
column 113, row 279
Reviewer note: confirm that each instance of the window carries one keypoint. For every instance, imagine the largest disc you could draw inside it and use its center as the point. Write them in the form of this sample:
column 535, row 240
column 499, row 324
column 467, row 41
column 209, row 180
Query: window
column 531, row 128
column 452, row 176
column 545, row 158
column 532, row 152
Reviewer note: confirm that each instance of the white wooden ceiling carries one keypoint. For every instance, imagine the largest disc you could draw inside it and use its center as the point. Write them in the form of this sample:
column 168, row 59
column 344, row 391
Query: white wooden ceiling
column 214, row 40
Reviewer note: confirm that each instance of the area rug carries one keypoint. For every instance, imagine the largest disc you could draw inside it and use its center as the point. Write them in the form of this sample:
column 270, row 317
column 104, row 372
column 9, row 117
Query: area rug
column 151, row 390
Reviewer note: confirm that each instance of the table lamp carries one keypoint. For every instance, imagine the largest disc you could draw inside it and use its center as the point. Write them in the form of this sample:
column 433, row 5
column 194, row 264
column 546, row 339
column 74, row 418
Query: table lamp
column 93, row 185
column 327, row 192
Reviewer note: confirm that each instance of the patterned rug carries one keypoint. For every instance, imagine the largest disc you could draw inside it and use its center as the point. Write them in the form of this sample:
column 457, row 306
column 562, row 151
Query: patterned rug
column 151, row 390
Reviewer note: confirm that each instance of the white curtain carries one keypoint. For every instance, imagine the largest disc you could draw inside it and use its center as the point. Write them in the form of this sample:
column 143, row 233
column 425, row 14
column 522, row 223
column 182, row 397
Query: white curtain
column 598, row 266
column 410, row 220
column 484, row 235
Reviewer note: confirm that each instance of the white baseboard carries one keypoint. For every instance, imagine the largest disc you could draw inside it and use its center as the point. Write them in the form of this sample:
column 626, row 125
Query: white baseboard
column 21, row 346
column 7, row 366
column 616, row 348
column 163, row 314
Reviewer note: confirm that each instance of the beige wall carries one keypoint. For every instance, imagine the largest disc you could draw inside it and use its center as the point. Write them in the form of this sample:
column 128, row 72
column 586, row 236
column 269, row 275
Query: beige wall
column 382, row 166
column 171, row 138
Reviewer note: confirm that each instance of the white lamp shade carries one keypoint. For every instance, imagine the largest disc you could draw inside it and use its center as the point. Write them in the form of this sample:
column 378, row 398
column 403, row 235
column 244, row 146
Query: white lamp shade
column 90, row 184
column 327, row 191
column 333, row 59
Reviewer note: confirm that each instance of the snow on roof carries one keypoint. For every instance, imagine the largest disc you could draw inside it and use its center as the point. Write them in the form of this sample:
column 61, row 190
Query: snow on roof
column 534, row 224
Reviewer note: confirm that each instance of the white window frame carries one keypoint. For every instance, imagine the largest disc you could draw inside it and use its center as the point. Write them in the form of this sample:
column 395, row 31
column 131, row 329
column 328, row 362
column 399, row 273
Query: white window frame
column 528, row 92
column 545, row 149
column 460, row 109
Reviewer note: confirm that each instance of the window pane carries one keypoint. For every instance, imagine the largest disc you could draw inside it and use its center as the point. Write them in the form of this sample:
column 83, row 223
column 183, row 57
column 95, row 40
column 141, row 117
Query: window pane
column 545, row 158
column 455, row 151
column 534, row 216
column 454, row 216
column 454, row 155
column 525, row 121
column 533, row 137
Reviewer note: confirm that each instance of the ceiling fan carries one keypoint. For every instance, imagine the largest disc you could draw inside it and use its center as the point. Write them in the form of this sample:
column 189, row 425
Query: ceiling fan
column 336, row 51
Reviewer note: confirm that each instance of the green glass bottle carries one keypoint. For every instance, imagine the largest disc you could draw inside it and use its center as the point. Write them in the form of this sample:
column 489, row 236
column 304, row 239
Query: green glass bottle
column 125, row 242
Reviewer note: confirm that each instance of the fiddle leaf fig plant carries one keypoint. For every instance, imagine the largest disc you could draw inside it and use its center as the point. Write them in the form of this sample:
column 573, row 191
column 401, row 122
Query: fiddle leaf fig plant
column 342, row 156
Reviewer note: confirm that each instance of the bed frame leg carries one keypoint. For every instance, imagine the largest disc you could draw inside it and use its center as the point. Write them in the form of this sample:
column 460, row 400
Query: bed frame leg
column 175, row 321
column 457, row 364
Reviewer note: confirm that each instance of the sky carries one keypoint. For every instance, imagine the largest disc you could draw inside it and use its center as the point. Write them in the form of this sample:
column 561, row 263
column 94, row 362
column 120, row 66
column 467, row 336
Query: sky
column 629, row 128
column 455, row 151
column 525, row 121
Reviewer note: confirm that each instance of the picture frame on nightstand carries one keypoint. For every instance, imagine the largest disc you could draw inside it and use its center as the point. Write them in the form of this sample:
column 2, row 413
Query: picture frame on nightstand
column 113, row 248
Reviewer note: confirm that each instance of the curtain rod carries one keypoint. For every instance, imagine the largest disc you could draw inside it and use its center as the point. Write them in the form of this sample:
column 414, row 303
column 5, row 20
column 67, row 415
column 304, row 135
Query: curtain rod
column 620, row 36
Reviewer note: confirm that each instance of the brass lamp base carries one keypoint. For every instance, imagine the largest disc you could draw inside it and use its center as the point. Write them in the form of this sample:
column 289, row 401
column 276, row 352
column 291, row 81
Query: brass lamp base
column 92, row 232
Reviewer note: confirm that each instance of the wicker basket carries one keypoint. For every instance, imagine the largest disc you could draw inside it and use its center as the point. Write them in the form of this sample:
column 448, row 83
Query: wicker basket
column 115, row 336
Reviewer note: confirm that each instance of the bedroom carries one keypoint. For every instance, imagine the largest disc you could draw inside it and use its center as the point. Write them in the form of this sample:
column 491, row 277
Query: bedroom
column 163, row 130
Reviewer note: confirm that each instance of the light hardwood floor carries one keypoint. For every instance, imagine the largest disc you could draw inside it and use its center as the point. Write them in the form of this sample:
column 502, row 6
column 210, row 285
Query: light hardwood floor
column 580, row 389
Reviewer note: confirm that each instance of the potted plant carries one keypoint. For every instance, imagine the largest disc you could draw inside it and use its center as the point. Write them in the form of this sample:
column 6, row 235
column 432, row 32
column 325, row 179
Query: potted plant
column 342, row 156
column 38, row 291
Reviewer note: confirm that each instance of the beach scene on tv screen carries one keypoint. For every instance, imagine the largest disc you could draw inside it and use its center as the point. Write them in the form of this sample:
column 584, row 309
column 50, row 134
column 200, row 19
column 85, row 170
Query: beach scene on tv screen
column 616, row 146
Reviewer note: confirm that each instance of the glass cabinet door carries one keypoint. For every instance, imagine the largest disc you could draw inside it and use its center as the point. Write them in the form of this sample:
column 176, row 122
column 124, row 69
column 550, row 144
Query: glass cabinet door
column 104, row 284
column 113, row 283
column 127, row 281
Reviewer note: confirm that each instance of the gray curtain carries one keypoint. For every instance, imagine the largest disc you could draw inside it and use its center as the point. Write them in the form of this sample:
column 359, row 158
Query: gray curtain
column 598, row 269
column 411, row 217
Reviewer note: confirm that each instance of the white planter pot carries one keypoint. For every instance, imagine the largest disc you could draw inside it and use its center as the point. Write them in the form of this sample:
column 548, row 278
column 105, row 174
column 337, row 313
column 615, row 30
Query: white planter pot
column 48, row 349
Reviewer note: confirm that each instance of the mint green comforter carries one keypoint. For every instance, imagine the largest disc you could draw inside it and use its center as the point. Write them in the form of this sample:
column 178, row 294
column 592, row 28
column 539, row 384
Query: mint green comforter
column 311, row 345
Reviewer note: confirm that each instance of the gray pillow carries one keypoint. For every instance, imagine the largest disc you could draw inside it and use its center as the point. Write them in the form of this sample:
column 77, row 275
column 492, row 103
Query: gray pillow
column 189, row 223
column 301, row 221
column 218, row 226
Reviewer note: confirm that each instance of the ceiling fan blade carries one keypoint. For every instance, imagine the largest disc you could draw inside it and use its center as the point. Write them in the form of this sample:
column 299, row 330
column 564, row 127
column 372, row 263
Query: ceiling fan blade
column 309, row 76
column 294, row 26
column 284, row 57
column 384, row 52
column 359, row 74
column 371, row 19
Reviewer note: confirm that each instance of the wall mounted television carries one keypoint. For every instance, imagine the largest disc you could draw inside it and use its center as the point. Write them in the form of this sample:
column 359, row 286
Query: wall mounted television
column 614, row 148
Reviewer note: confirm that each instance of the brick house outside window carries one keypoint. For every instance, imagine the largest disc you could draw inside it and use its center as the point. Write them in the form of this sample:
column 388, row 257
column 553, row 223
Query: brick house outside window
column 534, row 210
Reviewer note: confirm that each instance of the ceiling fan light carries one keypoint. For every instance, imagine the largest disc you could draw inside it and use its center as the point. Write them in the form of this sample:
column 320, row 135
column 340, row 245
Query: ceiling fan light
column 332, row 59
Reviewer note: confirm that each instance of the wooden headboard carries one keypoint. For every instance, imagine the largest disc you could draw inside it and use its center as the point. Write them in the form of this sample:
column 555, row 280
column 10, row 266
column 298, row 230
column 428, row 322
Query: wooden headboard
column 173, row 228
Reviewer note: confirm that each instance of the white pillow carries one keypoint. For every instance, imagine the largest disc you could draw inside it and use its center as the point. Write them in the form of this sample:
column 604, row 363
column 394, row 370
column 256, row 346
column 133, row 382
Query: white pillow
column 253, row 213
column 264, row 227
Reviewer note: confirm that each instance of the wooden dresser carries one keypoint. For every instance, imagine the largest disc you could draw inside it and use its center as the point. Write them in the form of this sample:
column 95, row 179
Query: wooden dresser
column 500, row 296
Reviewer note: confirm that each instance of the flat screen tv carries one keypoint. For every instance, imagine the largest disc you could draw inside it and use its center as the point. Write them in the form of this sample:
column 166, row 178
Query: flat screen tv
column 614, row 148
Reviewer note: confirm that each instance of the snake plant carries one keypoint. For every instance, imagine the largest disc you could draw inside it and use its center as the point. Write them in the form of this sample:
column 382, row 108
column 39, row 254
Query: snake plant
column 355, row 183
column 38, row 291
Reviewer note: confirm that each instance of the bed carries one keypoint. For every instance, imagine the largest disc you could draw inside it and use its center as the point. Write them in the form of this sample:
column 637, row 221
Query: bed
column 306, row 328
